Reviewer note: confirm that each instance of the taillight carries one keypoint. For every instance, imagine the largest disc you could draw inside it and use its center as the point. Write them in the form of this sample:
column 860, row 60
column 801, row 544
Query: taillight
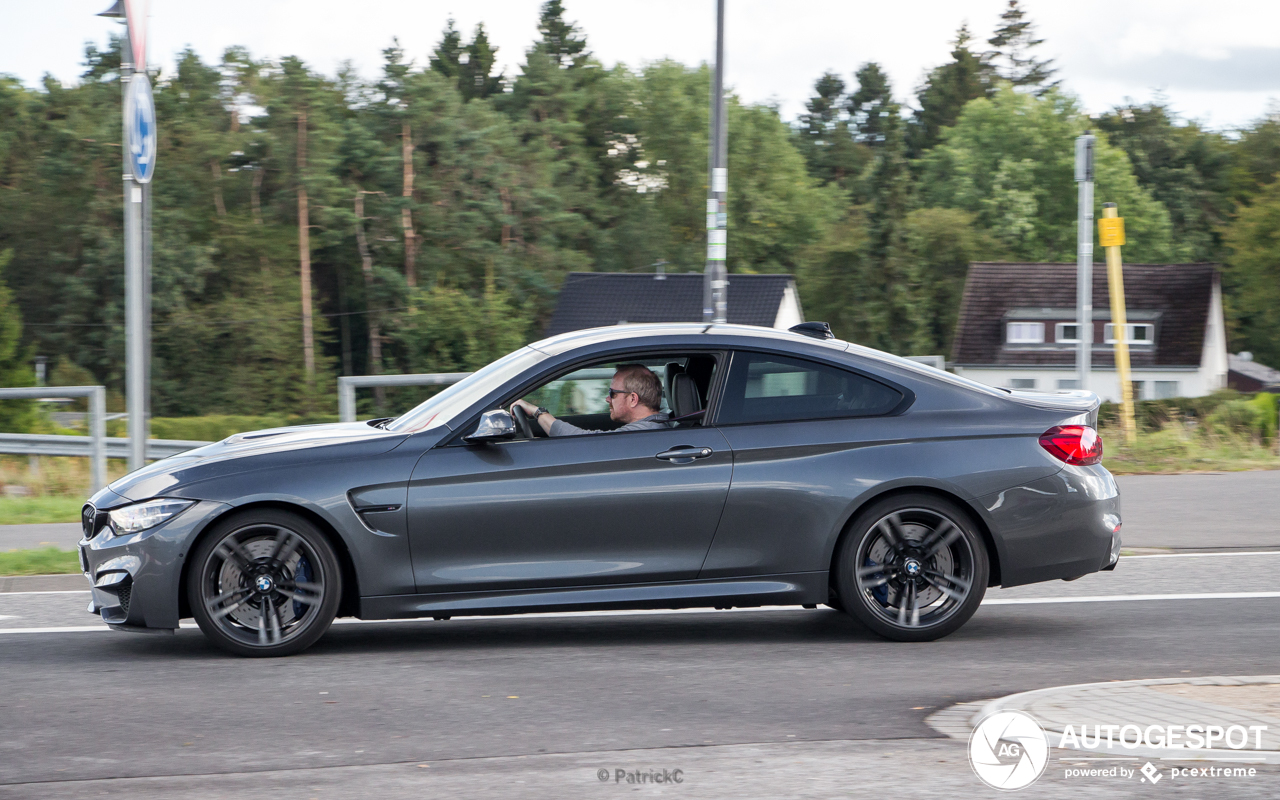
column 1074, row 444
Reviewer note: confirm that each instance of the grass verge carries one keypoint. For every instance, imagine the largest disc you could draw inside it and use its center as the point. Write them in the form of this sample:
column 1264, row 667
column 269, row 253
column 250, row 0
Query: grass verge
column 1178, row 449
column 46, row 561
column 38, row 510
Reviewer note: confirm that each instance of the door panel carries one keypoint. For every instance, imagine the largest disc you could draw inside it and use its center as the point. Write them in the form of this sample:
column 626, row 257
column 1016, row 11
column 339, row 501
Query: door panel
column 570, row 511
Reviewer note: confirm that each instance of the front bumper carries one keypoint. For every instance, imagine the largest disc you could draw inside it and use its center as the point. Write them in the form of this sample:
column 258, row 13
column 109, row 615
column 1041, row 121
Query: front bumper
column 136, row 578
column 1063, row 526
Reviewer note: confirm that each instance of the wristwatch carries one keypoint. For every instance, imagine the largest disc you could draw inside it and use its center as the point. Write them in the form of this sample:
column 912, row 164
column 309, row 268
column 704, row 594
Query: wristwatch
column 538, row 413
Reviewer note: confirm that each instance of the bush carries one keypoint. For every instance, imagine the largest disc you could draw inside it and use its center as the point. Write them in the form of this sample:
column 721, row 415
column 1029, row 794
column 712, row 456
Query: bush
column 1236, row 418
column 1267, row 409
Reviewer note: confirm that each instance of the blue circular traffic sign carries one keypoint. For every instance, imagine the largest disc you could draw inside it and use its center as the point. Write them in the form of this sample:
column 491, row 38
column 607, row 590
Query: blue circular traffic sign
column 140, row 128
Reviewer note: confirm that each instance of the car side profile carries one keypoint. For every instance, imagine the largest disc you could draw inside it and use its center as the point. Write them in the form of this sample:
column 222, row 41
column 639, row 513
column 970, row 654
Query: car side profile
column 795, row 469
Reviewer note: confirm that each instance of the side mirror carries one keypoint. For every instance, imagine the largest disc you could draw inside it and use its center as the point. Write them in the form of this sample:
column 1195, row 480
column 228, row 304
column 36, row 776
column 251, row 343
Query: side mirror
column 494, row 426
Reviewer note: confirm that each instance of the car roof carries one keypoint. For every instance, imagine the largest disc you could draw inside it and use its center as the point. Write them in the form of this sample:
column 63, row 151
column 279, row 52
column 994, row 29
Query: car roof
column 565, row 342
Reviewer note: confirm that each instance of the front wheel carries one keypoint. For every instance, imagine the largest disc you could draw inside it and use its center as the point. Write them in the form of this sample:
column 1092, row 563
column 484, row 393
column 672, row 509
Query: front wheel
column 264, row 583
column 913, row 568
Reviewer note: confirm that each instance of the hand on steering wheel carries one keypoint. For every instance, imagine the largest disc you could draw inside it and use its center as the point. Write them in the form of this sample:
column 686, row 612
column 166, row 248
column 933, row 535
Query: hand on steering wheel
column 523, row 424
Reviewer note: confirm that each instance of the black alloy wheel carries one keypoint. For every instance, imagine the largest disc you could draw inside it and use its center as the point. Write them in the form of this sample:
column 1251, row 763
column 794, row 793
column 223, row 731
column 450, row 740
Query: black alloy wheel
column 264, row 583
column 913, row 568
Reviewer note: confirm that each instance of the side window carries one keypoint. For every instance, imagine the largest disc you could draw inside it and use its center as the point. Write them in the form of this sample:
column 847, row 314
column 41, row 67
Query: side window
column 768, row 388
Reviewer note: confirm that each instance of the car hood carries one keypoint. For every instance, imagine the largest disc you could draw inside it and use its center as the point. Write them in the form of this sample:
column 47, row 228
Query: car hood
column 272, row 448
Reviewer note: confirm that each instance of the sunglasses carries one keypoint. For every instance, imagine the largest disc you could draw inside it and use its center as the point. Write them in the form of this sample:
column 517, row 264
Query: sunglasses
column 613, row 392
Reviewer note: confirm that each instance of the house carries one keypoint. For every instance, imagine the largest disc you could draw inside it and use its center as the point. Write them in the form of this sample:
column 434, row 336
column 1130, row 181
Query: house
column 597, row 299
column 1017, row 328
column 1246, row 375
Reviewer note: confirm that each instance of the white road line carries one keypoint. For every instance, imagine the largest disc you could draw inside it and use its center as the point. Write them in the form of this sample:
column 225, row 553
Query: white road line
column 1204, row 555
column 1116, row 598
column 1119, row 598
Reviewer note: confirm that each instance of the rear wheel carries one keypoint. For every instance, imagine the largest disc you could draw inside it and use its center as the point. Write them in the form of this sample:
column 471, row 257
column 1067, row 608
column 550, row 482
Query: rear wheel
column 264, row 583
column 913, row 568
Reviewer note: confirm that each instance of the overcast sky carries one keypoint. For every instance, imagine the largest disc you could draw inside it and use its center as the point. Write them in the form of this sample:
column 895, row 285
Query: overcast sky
column 1217, row 62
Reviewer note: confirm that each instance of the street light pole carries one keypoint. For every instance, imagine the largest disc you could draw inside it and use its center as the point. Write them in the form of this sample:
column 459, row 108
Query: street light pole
column 1084, row 257
column 138, row 154
column 715, row 306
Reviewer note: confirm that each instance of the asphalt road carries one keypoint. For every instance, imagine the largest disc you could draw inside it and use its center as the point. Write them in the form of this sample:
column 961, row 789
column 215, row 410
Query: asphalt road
column 1204, row 511
column 785, row 703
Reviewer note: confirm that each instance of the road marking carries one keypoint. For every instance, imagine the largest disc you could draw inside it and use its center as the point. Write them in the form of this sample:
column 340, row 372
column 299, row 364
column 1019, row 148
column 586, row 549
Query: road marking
column 1115, row 598
column 1118, row 598
column 1204, row 555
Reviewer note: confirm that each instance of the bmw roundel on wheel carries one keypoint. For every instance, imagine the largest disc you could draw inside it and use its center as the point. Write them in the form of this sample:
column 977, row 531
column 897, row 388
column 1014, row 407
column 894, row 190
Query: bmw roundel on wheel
column 636, row 466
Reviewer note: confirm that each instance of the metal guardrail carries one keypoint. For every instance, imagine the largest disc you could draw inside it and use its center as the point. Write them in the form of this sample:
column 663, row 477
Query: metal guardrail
column 38, row 444
column 97, row 446
column 96, row 442
column 348, row 384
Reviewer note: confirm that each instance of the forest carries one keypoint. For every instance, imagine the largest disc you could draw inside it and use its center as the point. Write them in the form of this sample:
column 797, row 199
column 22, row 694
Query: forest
column 437, row 208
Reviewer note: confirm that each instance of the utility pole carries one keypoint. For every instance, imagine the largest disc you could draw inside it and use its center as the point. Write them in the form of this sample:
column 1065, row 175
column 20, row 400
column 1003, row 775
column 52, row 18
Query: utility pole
column 715, row 306
column 139, row 156
column 1084, row 257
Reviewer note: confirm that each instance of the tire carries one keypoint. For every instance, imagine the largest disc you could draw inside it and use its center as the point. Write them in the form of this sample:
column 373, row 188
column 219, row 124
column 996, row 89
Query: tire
column 913, row 567
column 264, row 584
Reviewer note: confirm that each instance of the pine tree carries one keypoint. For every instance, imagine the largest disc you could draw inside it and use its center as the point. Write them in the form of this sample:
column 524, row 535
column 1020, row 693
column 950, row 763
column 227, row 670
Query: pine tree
column 447, row 57
column 561, row 40
column 474, row 76
column 1011, row 54
column 946, row 91
column 824, row 137
column 872, row 107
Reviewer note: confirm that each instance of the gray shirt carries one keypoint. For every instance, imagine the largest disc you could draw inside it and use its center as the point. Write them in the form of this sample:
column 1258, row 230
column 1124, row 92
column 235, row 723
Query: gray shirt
column 652, row 422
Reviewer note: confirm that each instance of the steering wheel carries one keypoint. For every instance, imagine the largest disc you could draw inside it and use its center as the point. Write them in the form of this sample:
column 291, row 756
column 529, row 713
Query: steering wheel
column 523, row 423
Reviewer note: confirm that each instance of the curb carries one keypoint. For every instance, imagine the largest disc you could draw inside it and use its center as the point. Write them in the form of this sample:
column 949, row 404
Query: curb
column 958, row 721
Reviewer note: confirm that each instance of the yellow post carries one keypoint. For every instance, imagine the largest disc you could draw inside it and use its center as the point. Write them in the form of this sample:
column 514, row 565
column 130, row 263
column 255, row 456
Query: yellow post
column 1111, row 236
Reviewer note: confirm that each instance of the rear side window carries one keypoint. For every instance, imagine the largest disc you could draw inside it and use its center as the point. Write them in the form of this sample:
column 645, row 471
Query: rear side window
column 768, row 388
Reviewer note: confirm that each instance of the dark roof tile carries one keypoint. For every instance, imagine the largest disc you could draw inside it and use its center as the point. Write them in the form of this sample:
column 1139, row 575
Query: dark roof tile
column 1180, row 292
column 597, row 299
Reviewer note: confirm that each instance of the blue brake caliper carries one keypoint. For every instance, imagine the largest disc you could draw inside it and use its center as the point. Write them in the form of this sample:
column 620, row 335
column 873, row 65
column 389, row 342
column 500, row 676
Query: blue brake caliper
column 881, row 592
column 303, row 573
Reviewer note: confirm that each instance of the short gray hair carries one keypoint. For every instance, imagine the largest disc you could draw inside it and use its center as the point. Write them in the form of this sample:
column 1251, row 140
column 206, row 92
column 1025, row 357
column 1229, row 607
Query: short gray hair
column 640, row 379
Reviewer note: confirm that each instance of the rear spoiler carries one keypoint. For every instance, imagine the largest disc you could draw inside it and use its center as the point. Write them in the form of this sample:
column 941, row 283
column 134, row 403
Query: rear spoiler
column 1071, row 401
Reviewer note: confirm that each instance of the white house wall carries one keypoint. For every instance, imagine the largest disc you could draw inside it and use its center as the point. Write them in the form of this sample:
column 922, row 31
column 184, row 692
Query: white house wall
column 1106, row 383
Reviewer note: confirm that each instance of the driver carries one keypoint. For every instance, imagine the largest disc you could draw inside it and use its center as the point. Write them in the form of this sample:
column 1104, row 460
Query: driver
column 635, row 395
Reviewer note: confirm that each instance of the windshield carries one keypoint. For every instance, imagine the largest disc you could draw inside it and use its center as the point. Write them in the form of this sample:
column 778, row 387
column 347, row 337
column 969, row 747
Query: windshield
column 442, row 408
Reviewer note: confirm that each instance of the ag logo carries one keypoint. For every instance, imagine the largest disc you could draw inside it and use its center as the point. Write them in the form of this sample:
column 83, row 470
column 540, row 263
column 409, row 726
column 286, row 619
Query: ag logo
column 1008, row 750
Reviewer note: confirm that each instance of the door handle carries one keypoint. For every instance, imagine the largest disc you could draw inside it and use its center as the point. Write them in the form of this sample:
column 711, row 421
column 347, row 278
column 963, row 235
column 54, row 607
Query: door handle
column 684, row 454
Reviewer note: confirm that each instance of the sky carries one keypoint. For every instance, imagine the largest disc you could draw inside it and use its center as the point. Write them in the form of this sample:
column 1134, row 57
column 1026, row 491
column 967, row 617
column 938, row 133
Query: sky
column 1218, row 63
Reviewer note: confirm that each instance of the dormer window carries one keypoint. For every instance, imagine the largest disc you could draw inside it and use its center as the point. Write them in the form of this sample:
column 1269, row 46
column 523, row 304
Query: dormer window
column 1138, row 333
column 1066, row 333
column 1025, row 333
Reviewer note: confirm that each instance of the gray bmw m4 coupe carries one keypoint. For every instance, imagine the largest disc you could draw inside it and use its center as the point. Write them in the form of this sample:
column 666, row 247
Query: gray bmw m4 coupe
column 770, row 468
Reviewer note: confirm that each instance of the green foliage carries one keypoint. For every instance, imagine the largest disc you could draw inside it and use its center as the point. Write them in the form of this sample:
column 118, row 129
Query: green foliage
column 946, row 91
column 1186, row 168
column 1009, row 161
column 47, row 561
column 1253, row 277
column 16, row 416
column 1011, row 55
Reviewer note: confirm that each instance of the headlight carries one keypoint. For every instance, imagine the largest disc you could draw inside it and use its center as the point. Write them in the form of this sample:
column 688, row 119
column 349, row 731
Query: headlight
column 140, row 516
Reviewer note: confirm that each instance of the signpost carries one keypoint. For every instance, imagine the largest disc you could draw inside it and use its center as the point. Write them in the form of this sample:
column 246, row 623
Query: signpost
column 139, row 137
column 1111, row 236
column 715, row 305
column 1084, row 258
